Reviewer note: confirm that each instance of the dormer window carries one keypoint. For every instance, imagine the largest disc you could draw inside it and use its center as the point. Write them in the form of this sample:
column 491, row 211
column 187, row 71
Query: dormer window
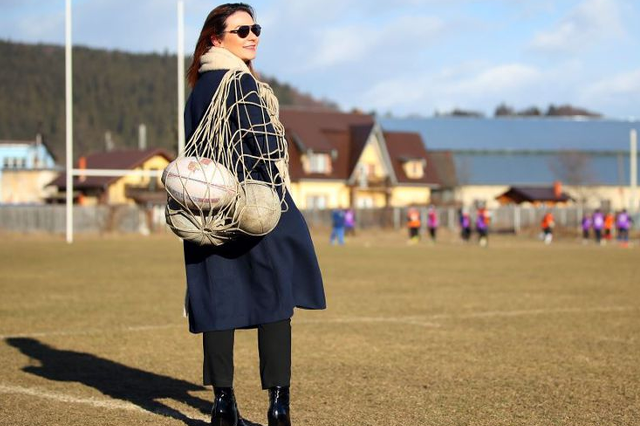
column 414, row 169
column 318, row 163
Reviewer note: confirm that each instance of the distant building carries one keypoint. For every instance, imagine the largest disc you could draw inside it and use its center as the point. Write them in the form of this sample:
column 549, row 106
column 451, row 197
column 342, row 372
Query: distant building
column 25, row 168
column 538, row 196
column 589, row 156
column 90, row 190
column 340, row 160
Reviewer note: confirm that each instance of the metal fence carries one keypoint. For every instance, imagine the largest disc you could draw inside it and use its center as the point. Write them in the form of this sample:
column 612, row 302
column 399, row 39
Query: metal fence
column 130, row 219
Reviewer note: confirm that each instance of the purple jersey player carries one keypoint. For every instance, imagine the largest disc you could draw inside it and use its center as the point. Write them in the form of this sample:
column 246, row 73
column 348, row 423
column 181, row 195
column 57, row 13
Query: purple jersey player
column 598, row 225
column 623, row 223
column 586, row 227
column 465, row 224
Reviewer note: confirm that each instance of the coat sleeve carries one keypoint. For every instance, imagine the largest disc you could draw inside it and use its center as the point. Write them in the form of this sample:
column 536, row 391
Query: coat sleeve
column 258, row 142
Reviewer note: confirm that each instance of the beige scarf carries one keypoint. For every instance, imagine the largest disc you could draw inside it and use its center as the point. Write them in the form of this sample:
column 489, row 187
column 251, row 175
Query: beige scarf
column 218, row 58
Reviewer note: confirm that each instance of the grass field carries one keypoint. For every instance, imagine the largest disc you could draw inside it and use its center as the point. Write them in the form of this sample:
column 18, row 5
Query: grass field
column 515, row 334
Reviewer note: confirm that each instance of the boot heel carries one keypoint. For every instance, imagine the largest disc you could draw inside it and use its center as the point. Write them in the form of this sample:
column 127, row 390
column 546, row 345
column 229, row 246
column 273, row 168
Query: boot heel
column 278, row 414
column 225, row 409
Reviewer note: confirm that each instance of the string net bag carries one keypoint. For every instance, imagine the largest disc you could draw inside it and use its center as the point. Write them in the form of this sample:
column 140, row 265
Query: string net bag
column 232, row 178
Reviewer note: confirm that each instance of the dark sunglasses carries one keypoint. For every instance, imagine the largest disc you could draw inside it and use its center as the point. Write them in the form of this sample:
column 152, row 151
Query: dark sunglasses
column 243, row 31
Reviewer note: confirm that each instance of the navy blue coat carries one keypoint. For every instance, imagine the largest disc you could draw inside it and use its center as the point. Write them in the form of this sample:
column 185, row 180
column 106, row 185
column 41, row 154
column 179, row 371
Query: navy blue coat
column 252, row 280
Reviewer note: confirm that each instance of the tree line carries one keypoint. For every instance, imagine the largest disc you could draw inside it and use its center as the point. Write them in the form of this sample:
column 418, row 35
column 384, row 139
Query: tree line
column 113, row 92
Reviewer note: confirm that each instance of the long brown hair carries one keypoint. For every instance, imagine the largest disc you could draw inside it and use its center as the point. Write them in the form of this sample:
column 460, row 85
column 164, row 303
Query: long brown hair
column 214, row 26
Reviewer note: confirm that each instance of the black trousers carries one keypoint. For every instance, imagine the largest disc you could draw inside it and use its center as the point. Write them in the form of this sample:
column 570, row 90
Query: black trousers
column 274, row 348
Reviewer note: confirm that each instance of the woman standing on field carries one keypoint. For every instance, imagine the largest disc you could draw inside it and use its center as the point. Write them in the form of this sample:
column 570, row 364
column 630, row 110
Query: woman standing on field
column 249, row 282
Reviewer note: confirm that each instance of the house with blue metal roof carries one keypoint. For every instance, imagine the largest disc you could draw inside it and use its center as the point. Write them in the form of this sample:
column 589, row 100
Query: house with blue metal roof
column 589, row 156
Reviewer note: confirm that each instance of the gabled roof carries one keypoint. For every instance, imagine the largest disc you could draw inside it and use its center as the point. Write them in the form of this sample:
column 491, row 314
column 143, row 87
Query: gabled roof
column 405, row 146
column 531, row 194
column 120, row 159
column 312, row 126
column 327, row 132
column 345, row 136
column 359, row 136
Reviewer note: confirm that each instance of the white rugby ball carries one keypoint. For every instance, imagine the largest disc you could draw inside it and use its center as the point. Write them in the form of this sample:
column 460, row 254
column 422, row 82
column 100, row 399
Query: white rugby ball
column 258, row 208
column 200, row 183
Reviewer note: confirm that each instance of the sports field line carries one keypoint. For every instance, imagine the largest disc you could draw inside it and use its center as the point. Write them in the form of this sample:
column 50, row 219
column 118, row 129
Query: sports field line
column 61, row 397
column 110, row 404
column 422, row 321
column 90, row 331
column 419, row 321
column 526, row 312
column 425, row 320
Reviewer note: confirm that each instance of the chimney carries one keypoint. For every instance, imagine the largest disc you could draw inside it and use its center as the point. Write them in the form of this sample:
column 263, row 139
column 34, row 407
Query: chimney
column 142, row 137
column 557, row 189
column 36, row 152
column 82, row 165
column 108, row 142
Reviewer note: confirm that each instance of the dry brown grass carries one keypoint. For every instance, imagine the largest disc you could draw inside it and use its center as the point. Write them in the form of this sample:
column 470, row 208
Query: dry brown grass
column 516, row 334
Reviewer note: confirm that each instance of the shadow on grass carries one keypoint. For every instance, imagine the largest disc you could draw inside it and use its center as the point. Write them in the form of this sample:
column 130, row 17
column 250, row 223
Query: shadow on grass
column 116, row 380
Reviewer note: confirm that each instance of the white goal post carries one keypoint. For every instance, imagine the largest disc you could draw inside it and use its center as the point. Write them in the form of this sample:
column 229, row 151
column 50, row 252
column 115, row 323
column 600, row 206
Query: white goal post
column 70, row 171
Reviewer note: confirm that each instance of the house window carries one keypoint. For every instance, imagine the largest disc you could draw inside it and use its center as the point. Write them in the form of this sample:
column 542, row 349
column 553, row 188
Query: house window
column 370, row 170
column 319, row 163
column 316, row 202
column 13, row 163
column 364, row 202
column 414, row 169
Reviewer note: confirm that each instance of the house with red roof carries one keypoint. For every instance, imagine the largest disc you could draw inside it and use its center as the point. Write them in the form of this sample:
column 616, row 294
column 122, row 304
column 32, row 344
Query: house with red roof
column 88, row 190
column 347, row 160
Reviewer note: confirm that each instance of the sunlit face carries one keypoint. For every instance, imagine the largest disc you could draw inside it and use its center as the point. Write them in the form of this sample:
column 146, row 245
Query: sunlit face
column 244, row 48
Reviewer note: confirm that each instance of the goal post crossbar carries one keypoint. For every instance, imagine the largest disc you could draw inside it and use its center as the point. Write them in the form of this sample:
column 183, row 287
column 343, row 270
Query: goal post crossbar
column 115, row 172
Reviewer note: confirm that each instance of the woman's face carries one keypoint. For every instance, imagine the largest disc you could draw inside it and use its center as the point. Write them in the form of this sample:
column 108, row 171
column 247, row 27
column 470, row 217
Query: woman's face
column 244, row 48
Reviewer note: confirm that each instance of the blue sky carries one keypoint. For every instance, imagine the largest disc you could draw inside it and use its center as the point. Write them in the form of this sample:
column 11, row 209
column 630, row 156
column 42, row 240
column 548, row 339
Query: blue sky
column 400, row 56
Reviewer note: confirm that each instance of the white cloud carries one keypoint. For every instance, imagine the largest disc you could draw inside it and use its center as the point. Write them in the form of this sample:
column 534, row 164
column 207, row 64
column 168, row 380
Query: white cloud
column 393, row 41
column 498, row 80
column 448, row 88
column 622, row 85
column 591, row 22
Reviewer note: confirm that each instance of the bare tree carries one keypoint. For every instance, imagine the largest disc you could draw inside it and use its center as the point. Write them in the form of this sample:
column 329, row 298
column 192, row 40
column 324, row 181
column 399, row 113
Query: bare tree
column 574, row 168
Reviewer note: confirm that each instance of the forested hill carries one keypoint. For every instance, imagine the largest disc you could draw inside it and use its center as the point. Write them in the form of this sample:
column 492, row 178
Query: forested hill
column 114, row 92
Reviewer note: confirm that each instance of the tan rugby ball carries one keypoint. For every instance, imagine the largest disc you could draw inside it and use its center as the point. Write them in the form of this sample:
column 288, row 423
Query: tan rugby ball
column 192, row 227
column 258, row 208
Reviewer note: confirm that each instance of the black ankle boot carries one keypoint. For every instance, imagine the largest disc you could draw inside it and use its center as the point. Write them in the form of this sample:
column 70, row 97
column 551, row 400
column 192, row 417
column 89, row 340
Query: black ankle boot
column 225, row 409
column 278, row 413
